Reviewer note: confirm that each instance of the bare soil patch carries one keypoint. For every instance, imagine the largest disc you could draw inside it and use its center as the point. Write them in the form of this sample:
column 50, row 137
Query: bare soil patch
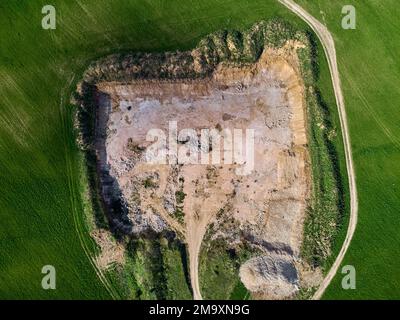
column 245, row 85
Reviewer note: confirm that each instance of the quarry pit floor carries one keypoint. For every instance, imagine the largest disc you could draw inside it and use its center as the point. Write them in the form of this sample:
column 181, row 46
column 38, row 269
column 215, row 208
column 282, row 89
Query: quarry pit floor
column 266, row 195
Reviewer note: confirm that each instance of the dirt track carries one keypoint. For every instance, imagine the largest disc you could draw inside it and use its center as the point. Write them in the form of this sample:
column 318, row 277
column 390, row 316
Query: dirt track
column 196, row 219
column 329, row 48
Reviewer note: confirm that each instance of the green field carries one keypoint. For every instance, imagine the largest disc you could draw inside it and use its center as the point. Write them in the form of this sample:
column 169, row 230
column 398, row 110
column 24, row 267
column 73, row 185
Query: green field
column 41, row 204
column 369, row 67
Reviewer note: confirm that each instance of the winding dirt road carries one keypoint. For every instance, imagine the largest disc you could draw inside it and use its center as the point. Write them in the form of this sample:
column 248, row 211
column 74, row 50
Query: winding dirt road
column 329, row 47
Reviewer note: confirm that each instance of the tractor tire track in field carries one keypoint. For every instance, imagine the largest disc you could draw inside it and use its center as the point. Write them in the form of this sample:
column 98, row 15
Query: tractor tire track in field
column 330, row 52
column 329, row 47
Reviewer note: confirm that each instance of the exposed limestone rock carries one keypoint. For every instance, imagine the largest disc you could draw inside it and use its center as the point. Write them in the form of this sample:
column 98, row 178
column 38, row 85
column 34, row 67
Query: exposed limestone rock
column 231, row 80
column 271, row 277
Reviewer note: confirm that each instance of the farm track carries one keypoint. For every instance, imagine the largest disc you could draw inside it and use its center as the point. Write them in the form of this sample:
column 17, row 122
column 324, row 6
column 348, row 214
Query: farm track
column 329, row 47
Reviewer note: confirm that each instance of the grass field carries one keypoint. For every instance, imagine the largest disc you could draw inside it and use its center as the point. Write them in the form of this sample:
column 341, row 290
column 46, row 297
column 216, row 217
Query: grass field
column 370, row 69
column 41, row 205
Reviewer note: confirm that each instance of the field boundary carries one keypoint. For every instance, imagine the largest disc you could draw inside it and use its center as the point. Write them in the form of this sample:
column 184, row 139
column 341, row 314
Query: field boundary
column 78, row 224
column 328, row 44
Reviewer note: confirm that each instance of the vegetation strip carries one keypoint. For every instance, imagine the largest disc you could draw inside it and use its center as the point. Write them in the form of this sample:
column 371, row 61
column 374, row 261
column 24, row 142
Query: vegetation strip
column 329, row 47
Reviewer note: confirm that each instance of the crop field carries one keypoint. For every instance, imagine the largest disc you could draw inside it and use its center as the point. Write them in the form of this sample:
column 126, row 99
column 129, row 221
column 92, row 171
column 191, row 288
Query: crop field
column 369, row 68
column 42, row 208
column 41, row 203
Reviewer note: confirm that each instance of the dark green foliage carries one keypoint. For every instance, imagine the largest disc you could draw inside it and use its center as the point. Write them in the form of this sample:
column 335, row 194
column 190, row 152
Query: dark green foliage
column 231, row 46
column 155, row 268
column 327, row 206
column 219, row 270
column 149, row 183
column 180, row 196
column 240, row 292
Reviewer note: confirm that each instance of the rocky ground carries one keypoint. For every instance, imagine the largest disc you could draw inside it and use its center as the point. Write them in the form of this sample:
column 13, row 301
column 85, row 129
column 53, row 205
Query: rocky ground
column 262, row 202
